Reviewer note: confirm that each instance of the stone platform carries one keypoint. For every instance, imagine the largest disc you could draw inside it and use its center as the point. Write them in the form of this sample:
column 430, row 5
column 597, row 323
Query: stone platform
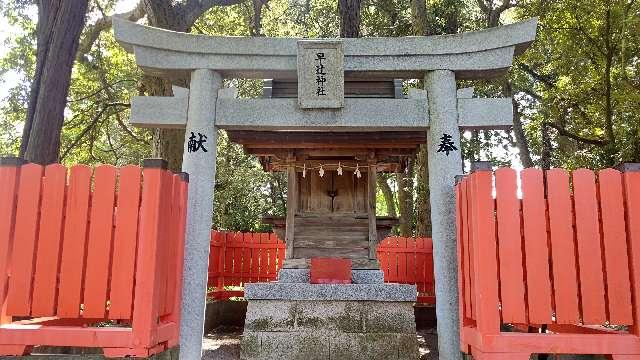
column 292, row 319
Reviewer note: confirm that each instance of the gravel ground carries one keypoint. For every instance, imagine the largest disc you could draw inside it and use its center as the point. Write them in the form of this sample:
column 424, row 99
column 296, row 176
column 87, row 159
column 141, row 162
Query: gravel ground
column 226, row 345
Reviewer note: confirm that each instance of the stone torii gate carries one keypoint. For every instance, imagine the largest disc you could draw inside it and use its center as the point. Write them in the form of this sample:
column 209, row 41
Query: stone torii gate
column 440, row 109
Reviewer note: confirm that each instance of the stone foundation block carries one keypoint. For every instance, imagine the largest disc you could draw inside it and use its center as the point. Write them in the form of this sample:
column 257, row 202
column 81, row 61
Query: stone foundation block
column 343, row 316
column 329, row 329
column 284, row 345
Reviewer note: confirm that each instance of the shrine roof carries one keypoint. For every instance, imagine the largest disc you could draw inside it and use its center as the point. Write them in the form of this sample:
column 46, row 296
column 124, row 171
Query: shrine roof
column 480, row 54
column 274, row 148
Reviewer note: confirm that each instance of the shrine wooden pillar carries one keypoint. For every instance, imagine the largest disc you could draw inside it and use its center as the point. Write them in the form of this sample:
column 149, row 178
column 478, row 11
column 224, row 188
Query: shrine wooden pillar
column 292, row 206
column 371, row 208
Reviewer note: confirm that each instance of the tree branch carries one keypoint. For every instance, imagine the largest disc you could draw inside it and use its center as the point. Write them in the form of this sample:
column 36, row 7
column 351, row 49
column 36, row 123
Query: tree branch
column 483, row 6
column 564, row 132
column 548, row 80
column 104, row 23
column 193, row 9
column 89, row 127
column 506, row 4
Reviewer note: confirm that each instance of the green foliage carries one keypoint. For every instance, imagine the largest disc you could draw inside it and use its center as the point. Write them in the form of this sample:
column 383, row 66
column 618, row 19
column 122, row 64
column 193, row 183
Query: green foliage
column 17, row 63
column 241, row 195
column 568, row 79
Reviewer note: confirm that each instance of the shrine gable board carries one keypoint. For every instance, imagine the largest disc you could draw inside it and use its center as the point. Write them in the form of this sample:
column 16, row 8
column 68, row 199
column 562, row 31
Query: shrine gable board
column 320, row 74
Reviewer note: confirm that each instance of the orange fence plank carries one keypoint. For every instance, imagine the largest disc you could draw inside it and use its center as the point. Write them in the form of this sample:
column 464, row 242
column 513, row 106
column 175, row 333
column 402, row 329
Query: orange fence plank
column 565, row 279
column 512, row 292
column 146, row 300
column 422, row 279
column 273, row 256
column 49, row 241
column 26, row 232
column 125, row 243
column 536, row 247
column 631, row 182
column 227, row 272
column 281, row 252
column 402, row 260
column 470, row 277
column 589, row 254
column 9, row 178
column 615, row 247
column 219, row 248
column 221, row 259
column 73, row 245
column 393, row 262
column 180, row 242
column 245, row 254
column 255, row 258
column 484, row 253
column 264, row 258
column 429, row 271
column 233, row 271
column 99, row 243
column 165, row 241
column 462, row 315
column 173, row 221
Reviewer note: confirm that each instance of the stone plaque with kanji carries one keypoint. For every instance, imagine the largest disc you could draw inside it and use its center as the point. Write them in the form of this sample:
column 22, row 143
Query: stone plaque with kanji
column 320, row 74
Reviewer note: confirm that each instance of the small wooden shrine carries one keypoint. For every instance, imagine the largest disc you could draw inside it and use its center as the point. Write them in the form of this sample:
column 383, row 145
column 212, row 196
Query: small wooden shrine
column 332, row 180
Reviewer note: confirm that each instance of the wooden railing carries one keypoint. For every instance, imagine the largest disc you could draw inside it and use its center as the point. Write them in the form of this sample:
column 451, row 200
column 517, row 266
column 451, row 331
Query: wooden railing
column 559, row 262
column 75, row 252
column 409, row 261
column 239, row 258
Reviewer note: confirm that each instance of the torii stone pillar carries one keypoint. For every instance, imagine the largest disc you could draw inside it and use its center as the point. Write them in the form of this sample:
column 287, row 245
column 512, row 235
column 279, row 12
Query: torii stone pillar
column 443, row 167
column 201, row 165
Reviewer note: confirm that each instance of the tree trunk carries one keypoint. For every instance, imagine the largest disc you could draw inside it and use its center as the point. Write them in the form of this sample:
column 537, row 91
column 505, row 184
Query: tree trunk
column 524, row 152
column 545, row 155
column 493, row 20
column 349, row 18
column 612, row 151
column 423, row 204
column 451, row 16
column 387, row 194
column 59, row 26
column 419, row 18
column 405, row 200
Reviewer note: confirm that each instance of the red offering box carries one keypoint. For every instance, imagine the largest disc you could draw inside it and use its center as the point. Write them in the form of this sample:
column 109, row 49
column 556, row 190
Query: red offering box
column 330, row 271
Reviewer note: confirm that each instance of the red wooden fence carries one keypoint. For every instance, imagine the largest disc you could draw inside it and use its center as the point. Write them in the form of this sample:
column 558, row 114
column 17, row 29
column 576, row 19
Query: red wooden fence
column 409, row 261
column 239, row 258
column 565, row 258
column 75, row 252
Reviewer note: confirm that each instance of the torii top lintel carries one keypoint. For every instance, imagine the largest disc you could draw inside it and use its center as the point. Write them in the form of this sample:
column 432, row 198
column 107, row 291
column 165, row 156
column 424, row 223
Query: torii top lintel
column 481, row 54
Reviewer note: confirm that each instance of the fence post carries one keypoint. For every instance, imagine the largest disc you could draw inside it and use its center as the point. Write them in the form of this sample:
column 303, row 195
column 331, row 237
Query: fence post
column 631, row 181
column 180, row 205
column 9, row 177
column 484, row 248
column 146, row 303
